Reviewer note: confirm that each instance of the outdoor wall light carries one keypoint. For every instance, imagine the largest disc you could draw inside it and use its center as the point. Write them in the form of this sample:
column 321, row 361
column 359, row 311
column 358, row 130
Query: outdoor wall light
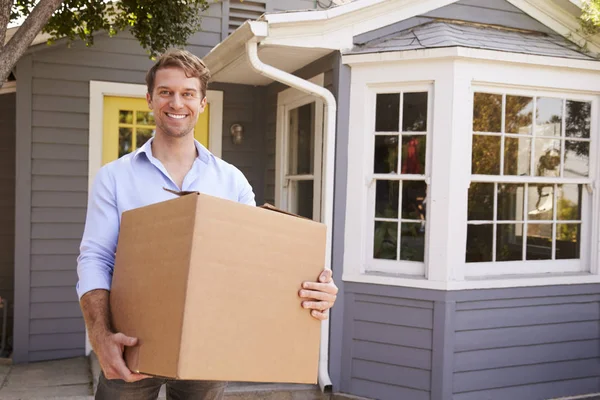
column 237, row 133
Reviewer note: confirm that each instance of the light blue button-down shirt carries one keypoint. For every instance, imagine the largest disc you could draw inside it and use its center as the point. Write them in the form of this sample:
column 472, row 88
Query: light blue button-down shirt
column 136, row 180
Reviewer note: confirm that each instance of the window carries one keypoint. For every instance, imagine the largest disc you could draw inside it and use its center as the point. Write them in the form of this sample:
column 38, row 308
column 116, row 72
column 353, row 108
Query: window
column 529, row 198
column 398, row 194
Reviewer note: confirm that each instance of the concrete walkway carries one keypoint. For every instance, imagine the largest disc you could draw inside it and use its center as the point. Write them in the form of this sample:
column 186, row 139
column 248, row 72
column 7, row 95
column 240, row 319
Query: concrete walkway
column 69, row 379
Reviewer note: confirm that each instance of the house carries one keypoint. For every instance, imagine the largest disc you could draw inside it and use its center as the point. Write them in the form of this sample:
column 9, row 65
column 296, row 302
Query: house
column 450, row 146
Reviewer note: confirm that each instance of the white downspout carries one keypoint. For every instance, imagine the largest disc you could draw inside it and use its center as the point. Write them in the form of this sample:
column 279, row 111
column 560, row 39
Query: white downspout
column 329, row 151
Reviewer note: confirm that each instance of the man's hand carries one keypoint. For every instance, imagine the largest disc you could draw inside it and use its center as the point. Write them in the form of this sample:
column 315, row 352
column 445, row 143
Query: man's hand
column 109, row 350
column 321, row 295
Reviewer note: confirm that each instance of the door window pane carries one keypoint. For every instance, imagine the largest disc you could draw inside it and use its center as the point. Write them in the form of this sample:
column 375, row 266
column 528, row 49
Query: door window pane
column 145, row 118
column 301, row 140
column 387, row 113
column 142, row 135
column 548, row 121
column 125, row 117
column 414, row 112
column 125, row 144
column 301, row 193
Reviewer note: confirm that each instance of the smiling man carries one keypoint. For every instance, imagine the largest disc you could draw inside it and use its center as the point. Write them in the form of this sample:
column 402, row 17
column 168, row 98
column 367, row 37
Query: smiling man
column 172, row 159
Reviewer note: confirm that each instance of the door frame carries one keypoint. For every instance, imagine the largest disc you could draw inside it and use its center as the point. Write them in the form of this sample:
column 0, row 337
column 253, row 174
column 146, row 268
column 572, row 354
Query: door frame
column 99, row 89
column 287, row 100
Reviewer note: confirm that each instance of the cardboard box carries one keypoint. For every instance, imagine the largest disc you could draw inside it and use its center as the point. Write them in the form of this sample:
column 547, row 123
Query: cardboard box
column 210, row 289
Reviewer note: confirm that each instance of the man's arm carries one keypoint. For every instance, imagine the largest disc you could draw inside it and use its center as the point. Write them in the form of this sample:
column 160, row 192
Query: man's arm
column 94, row 267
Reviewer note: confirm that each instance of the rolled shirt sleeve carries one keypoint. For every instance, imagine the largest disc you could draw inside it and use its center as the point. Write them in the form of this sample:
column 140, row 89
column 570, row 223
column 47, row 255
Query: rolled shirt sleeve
column 98, row 246
column 246, row 194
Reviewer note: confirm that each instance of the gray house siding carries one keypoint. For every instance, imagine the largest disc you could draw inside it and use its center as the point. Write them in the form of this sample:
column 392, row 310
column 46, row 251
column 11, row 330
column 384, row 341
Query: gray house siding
column 7, row 200
column 523, row 343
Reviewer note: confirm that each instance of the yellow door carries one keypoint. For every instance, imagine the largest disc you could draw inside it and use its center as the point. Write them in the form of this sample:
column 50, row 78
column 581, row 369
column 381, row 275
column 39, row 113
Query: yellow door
column 128, row 124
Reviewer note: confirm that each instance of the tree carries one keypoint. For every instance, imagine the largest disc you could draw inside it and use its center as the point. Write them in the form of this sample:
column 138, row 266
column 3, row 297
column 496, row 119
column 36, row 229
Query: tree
column 156, row 24
column 590, row 16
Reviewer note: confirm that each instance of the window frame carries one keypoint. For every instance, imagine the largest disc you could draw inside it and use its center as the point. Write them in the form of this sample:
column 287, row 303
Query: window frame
column 370, row 264
column 582, row 264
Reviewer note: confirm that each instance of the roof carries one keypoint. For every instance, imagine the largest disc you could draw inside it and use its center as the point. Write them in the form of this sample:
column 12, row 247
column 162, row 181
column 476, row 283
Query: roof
column 441, row 33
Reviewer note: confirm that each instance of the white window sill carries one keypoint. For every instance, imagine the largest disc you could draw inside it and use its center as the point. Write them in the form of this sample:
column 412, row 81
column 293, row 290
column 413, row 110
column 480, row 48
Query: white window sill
column 489, row 282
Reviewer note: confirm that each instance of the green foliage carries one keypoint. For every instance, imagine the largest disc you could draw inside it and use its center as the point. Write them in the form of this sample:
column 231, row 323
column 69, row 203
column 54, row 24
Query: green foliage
column 590, row 16
column 156, row 24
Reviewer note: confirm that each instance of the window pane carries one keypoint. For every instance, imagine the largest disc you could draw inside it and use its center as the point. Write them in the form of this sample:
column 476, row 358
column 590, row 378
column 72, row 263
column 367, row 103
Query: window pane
column 145, row 118
column 414, row 112
column 125, row 117
column 413, row 242
column 142, row 135
column 569, row 203
column 413, row 154
column 481, row 202
column 386, row 199
column 386, row 240
column 547, row 157
column 486, row 155
column 125, row 145
column 567, row 241
column 509, row 242
column 578, row 119
column 517, row 156
column 577, row 159
column 387, row 114
column 301, row 140
column 511, row 202
column 540, row 202
column 539, row 242
column 548, row 117
column 301, row 193
column 519, row 114
column 386, row 154
column 479, row 243
column 413, row 200
column 487, row 112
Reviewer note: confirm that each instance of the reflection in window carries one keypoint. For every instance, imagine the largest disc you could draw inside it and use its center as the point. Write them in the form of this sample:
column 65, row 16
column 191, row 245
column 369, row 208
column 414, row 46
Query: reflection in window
column 548, row 121
column 400, row 164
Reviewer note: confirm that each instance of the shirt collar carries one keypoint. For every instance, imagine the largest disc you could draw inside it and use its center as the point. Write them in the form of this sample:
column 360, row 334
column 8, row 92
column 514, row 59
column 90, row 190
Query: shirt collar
column 204, row 154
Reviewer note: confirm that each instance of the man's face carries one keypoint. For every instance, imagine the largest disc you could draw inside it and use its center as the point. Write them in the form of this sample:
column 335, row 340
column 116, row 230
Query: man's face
column 176, row 102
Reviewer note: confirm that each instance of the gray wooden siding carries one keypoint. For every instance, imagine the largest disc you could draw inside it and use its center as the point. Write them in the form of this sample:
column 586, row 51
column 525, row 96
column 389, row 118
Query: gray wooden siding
column 519, row 343
column 59, row 182
column 324, row 65
column 7, row 200
column 388, row 344
column 495, row 12
column 534, row 348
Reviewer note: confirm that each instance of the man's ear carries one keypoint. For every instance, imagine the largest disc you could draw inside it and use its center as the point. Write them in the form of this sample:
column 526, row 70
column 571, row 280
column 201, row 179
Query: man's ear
column 149, row 99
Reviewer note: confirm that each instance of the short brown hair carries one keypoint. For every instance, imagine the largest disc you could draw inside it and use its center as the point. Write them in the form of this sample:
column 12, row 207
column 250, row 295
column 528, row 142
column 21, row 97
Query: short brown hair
column 192, row 65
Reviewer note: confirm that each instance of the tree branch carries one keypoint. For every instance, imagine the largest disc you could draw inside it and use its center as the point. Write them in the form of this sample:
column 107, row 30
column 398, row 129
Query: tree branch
column 5, row 6
column 18, row 44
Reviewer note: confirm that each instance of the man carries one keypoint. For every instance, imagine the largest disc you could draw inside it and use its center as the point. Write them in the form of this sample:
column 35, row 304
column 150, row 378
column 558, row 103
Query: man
column 172, row 159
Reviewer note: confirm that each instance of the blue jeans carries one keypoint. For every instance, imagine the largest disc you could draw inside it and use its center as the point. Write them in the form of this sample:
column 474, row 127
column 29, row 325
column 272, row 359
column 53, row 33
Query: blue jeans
column 148, row 389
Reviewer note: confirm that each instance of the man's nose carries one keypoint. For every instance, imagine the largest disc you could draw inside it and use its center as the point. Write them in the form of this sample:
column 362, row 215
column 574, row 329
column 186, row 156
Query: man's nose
column 176, row 101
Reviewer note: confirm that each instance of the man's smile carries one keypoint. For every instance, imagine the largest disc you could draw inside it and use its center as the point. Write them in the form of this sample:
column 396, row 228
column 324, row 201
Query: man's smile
column 176, row 116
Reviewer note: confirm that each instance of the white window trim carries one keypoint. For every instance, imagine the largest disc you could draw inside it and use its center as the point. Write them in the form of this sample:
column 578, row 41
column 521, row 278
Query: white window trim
column 99, row 89
column 286, row 100
column 367, row 233
column 9, row 87
column 454, row 72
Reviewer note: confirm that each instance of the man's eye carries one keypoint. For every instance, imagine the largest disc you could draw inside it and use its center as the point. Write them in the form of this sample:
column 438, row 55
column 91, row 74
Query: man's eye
column 163, row 92
column 189, row 94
